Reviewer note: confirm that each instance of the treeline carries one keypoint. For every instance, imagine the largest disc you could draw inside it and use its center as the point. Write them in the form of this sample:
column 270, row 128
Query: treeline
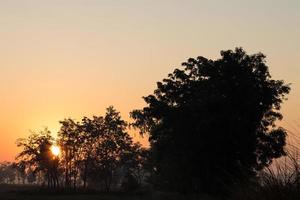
column 211, row 126
column 95, row 152
column 13, row 173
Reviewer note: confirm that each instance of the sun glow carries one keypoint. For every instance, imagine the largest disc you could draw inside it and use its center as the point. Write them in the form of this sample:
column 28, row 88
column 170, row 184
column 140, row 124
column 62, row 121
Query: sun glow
column 55, row 150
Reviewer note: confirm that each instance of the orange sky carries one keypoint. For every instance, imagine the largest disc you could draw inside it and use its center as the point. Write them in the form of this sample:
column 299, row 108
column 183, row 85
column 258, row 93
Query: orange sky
column 74, row 58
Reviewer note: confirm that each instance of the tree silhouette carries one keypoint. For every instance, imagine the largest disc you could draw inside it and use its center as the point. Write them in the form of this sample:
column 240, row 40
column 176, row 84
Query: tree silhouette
column 110, row 147
column 8, row 172
column 70, row 142
column 213, row 123
column 20, row 168
column 91, row 129
column 36, row 154
column 136, row 162
column 97, row 151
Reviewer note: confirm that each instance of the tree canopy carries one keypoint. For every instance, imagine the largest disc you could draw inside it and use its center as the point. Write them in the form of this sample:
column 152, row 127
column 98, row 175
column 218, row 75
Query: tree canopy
column 37, row 157
column 213, row 123
column 93, row 153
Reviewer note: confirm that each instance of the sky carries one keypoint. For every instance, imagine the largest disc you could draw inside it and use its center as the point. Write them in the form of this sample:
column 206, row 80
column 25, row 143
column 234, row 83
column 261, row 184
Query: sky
column 74, row 58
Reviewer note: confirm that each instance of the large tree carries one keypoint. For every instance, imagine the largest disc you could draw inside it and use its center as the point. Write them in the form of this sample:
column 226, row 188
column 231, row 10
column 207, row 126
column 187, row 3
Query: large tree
column 213, row 123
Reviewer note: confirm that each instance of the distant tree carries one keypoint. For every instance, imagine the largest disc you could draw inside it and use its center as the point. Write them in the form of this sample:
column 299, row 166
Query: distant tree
column 91, row 130
column 7, row 173
column 10, row 173
column 2, row 174
column 20, row 168
column 36, row 154
column 213, row 123
column 94, row 149
column 70, row 141
column 136, row 163
column 31, row 177
column 110, row 148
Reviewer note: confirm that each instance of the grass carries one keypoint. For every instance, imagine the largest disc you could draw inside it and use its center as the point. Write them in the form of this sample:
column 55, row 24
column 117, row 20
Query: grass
column 28, row 192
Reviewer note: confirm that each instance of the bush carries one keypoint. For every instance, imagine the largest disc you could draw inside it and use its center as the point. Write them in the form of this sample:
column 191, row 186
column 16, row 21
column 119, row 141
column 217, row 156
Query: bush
column 280, row 181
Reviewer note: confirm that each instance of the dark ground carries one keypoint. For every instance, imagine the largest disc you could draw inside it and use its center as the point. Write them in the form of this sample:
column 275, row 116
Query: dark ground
column 28, row 192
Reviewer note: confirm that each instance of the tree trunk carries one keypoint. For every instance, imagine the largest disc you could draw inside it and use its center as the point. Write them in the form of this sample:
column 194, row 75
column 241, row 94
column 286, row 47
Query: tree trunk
column 85, row 173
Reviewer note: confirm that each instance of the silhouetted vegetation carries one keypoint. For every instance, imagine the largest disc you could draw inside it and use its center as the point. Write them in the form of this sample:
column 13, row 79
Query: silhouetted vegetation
column 212, row 124
column 96, row 153
column 37, row 157
column 212, row 130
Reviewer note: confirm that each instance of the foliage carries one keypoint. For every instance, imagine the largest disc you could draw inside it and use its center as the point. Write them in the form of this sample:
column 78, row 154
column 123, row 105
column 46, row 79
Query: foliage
column 212, row 124
column 36, row 154
column 98, row 151
column 70, row 142
column 7, row 172
column 109, row 148
column 280, row 181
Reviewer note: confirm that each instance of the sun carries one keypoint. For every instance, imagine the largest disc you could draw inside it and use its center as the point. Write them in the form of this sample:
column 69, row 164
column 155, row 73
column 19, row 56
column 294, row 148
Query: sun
column 55, row 150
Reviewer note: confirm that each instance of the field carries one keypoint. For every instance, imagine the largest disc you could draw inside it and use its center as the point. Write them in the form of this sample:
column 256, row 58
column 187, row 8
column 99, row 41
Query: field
column 21, row 192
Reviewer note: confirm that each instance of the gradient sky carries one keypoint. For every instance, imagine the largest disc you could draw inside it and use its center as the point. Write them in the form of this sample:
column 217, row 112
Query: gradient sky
column 73, row 58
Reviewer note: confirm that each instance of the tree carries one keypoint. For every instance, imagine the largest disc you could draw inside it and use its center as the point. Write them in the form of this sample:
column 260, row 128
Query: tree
column 31, row 177
column 110, row 148
column 213, row 123
column 70, row 141
column 36, row 154
column 7, row 172
column 94, row 149
column 136, row 163
column 20, row 168
column 91, row 129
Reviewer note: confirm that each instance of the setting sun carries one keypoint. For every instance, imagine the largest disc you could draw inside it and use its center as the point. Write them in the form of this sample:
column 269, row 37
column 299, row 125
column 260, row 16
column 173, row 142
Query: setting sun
column 55, row 150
